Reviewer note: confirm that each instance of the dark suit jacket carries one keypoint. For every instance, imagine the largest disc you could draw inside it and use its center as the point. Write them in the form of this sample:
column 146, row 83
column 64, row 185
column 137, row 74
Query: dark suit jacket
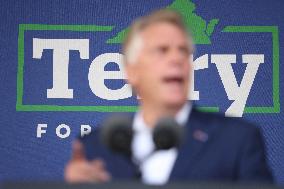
column 233, row 151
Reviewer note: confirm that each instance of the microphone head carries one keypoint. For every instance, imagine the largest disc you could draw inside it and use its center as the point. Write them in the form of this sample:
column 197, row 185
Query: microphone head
column 167, row 134
column 117, row 134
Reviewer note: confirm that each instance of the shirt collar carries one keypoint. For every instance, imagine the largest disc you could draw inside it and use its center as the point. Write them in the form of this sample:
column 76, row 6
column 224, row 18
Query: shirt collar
column 183, row 114
column 181, row 118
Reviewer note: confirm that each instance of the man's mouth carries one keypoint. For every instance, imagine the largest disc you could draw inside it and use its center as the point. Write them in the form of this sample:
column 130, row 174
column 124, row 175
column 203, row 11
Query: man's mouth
column 173, row 80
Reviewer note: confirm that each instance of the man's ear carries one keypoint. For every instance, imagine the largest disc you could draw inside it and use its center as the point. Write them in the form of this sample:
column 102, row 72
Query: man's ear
column 131, row 74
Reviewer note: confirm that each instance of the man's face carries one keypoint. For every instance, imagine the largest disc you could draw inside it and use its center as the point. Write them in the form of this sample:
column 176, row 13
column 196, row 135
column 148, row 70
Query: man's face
column 160, row 74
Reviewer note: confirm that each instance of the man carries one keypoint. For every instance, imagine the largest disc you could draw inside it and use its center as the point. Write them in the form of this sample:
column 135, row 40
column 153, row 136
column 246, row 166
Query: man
column 157, row 50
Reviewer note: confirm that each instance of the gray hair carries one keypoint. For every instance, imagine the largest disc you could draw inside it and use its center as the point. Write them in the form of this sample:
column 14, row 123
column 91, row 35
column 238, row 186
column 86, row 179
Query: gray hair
column 134, row 42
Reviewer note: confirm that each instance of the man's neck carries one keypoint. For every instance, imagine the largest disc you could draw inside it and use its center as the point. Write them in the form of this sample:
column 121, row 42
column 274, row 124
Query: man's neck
column 152, row 113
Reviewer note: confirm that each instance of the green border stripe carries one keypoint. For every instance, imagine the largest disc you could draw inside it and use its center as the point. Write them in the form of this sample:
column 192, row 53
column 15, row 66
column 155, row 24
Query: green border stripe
column 20, row 67
column 93, row 28
column 80, row 28
column 57, row 108
column 94, row 108
column 208, row 109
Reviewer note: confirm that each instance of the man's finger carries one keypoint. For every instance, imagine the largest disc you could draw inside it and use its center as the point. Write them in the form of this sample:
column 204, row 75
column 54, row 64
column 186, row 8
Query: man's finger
column 98, row 163
column 100, row 175
column 77, row 150
column 99, row 170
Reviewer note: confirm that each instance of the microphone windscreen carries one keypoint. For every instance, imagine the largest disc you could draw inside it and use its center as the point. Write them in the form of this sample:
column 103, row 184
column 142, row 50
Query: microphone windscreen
column 117, row 134
column 167, row 134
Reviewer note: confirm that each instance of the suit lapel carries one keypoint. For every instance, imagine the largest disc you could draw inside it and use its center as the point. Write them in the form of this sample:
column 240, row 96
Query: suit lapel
column 194, row 140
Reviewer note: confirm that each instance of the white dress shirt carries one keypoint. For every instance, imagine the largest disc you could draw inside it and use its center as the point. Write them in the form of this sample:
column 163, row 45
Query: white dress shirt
column 157, row 167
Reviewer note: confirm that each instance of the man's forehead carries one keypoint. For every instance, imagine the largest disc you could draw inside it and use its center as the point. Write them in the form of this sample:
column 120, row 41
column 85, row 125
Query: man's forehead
column 160, row 32
column 155, row 35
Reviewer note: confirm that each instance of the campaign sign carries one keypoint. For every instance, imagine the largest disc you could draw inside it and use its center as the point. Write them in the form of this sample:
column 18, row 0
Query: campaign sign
column 62, row 73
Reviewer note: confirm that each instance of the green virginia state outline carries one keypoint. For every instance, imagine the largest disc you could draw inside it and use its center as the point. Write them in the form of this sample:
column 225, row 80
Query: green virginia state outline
column 201, row 31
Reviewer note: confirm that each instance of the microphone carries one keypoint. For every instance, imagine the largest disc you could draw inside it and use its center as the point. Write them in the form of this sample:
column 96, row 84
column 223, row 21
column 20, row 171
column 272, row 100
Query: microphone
column 167, row 134
column 117, row 134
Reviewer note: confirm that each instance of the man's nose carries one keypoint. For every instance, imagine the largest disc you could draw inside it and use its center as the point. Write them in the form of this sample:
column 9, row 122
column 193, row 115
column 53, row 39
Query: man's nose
column 176, row 57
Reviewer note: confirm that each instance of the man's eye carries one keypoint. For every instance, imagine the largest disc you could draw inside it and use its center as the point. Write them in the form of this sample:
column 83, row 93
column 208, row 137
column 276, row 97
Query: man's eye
column 162, row 49
column 184, row 50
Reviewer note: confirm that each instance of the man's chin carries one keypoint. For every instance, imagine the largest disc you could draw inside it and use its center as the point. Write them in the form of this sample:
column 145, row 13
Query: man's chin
column 175, row 102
